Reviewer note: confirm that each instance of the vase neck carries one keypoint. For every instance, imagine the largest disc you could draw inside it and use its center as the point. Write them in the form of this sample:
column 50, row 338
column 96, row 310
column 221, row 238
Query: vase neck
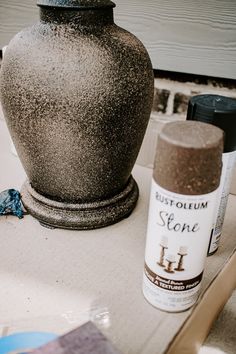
column 78, row 17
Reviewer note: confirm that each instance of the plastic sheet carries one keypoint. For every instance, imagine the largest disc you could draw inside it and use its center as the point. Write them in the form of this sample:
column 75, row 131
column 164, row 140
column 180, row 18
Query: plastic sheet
column 22, row 336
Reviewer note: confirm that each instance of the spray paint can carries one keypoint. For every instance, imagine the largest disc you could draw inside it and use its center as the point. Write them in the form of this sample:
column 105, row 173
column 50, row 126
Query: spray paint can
column 219, row 111
column 185, row 180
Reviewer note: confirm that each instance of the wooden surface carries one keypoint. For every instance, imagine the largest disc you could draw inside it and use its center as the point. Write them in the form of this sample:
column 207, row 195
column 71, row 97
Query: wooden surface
column 185, row 35
column 181, row 35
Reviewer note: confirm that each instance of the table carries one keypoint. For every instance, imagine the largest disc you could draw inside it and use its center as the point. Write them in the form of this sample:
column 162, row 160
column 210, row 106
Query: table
column 55, row 279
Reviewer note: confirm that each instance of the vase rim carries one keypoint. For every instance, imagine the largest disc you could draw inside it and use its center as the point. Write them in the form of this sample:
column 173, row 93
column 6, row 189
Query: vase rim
column 76, row 4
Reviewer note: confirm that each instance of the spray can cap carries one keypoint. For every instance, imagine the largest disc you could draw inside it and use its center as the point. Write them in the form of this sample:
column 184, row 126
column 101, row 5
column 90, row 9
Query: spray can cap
column 216, row 110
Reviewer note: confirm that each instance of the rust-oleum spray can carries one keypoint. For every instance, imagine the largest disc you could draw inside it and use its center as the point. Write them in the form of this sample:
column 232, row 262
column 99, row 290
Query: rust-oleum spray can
column 221, row 112
column 185, row 180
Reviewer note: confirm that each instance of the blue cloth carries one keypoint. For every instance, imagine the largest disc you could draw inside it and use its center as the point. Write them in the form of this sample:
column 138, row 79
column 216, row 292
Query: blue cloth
column 10, row 203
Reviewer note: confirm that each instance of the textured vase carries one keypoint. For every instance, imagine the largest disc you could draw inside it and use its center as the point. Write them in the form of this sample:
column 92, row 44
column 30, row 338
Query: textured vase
column 76, row 92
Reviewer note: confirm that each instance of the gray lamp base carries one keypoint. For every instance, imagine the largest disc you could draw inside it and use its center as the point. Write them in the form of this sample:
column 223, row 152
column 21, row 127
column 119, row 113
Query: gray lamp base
column 80, row 216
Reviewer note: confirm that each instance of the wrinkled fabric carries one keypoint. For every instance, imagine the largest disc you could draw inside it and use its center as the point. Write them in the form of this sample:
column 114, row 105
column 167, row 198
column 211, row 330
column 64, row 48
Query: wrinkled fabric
column 10, row 203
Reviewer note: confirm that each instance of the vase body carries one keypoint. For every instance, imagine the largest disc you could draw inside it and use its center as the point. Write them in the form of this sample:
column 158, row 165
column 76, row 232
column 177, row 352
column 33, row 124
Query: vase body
column 76, row 92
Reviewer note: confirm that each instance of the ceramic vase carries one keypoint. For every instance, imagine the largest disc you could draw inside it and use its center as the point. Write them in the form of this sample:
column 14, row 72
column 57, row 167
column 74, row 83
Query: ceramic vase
column 77, row 92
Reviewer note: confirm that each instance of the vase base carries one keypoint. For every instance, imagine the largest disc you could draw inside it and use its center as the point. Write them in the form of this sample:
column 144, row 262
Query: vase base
column 80, row 216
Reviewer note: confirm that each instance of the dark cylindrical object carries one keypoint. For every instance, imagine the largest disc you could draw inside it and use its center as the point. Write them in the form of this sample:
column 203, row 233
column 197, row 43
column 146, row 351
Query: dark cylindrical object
column 221, row 112
column 184, row 188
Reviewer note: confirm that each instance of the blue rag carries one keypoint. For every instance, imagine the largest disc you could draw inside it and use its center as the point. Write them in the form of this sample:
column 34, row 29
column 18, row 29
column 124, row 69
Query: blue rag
column 10, row 203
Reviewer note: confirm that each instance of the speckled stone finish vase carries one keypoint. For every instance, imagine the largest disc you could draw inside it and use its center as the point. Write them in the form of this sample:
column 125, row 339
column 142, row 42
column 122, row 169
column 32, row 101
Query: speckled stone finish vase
column 77, row 92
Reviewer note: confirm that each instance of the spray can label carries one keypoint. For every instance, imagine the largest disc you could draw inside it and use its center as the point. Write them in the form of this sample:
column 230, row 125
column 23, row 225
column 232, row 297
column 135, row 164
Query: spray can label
column 228, row 160
column 176, row 247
